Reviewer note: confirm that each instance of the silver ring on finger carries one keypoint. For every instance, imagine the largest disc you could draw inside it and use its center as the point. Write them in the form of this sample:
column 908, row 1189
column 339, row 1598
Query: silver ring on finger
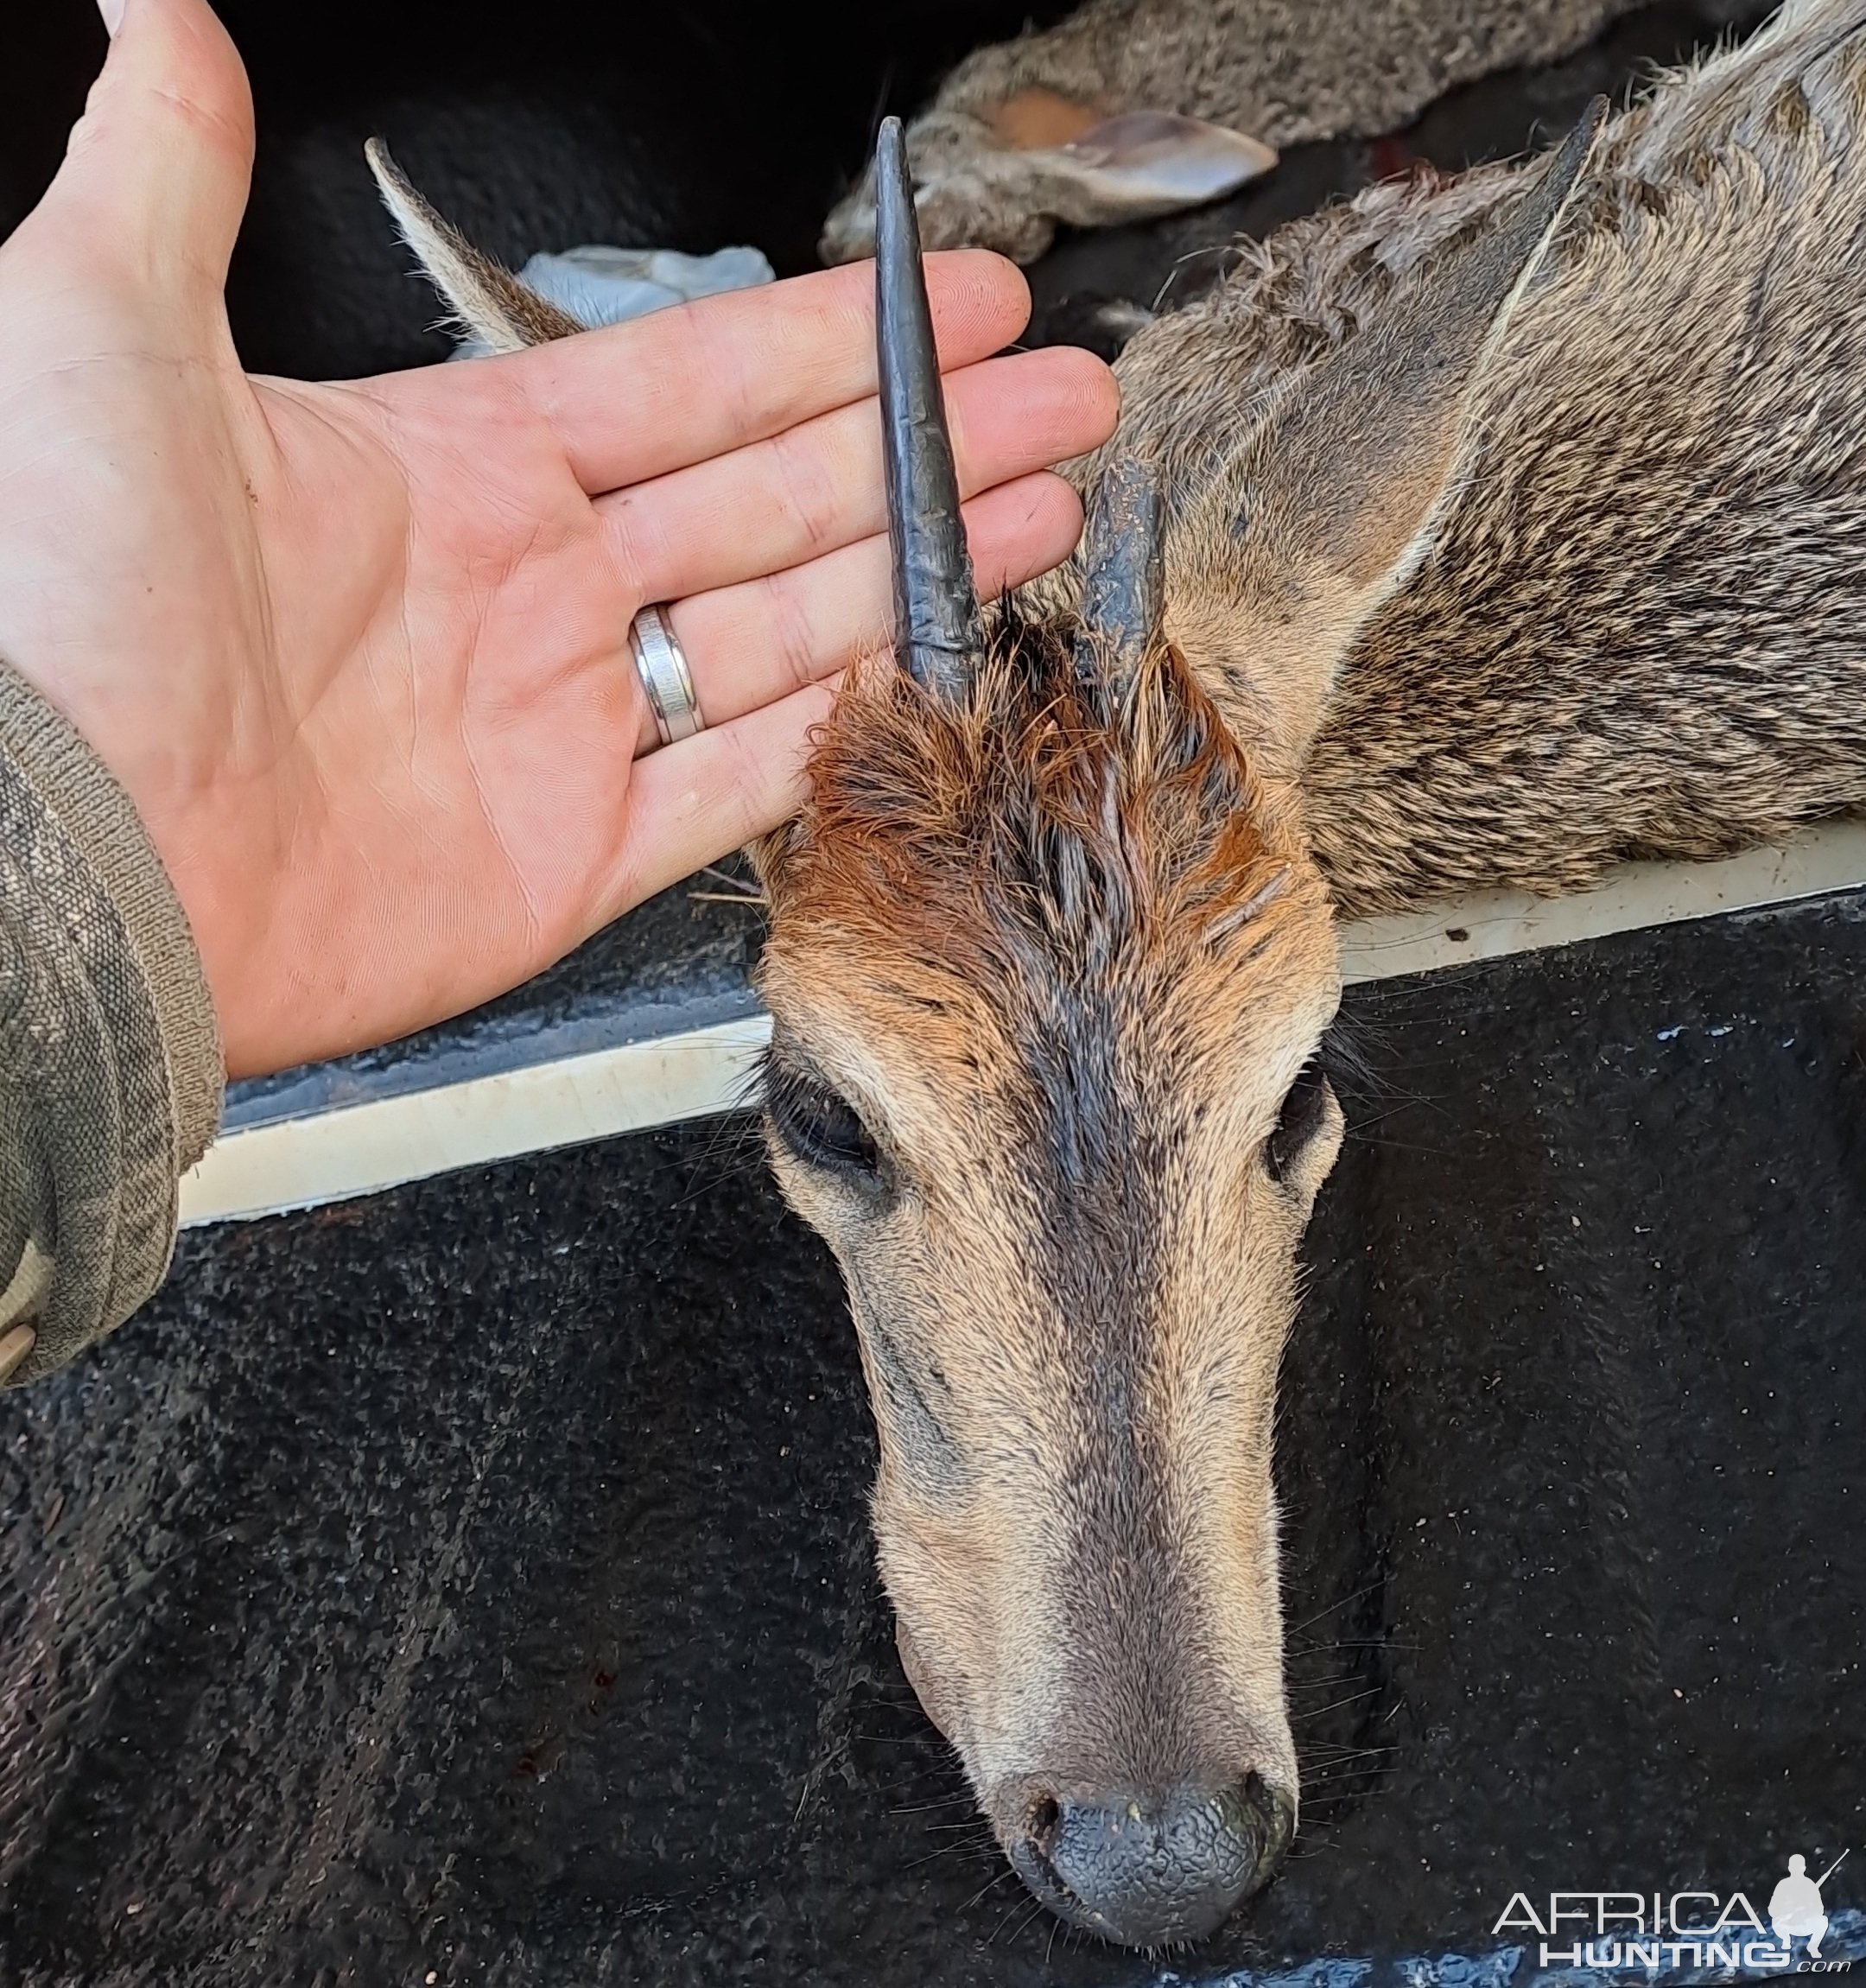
column 664, row 674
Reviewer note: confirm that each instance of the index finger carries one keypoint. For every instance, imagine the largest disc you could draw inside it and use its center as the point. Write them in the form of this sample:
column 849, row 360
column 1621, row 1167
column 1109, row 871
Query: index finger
column 682, row 386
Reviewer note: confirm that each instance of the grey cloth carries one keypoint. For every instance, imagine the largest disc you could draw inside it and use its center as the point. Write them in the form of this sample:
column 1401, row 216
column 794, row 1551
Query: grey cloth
column 110, row 1071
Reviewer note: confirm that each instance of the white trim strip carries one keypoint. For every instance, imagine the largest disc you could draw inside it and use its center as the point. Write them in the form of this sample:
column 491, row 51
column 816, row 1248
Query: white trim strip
column 362, row 1148
column 1631, row 898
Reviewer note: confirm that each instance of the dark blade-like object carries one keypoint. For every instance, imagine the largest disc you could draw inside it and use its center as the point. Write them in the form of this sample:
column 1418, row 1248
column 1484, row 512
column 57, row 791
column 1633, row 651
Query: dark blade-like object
column 936, row 632
column 1123, row 582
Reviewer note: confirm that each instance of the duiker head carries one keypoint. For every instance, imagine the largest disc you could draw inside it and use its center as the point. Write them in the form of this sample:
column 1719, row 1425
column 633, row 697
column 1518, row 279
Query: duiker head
column 1048, row 969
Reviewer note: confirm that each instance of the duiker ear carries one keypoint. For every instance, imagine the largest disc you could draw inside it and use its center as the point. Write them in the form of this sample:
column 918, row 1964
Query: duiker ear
column 1335, row 504
column 489, row 302
column 1142, row 163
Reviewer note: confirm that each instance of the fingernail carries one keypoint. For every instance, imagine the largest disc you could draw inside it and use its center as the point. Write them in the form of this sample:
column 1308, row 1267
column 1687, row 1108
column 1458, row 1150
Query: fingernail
column 112, row 12
column 14, row 1347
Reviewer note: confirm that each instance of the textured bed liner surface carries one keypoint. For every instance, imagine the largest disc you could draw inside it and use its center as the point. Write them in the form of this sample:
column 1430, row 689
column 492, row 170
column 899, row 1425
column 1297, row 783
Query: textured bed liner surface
column 477, row 1580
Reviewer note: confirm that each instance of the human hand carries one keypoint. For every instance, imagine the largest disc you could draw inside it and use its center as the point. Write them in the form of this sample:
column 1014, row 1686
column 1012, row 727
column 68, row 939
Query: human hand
column 358, row 652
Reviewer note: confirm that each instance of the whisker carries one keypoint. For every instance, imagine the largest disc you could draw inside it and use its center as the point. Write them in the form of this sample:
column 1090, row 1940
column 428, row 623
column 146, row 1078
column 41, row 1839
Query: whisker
column 1004, row 1916
column 1362, row 1643
column 933, row 1856
column 1353, row 1698
column 1023, row 1925
column 990, row 1885
column 1334, row 1607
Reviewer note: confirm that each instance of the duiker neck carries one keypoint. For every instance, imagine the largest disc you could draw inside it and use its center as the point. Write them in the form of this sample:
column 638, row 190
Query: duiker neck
column 1625, row 623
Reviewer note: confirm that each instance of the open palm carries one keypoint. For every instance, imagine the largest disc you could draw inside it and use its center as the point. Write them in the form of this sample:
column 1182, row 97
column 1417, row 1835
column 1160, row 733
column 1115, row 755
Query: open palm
column 358, row 652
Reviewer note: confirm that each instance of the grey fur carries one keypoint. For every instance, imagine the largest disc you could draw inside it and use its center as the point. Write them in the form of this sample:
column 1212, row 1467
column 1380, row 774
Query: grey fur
column 1284, row 72
column 1635, row 630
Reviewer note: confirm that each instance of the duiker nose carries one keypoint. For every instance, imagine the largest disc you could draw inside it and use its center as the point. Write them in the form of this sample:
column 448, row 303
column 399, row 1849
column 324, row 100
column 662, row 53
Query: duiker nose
column 1148, row 1869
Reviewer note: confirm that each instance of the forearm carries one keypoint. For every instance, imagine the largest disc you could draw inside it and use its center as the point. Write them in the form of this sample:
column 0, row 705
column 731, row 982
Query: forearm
column 109, row 1061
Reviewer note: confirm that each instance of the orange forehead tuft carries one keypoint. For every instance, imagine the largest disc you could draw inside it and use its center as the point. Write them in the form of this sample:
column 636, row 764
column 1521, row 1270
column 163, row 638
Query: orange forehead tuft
column 1049, row 816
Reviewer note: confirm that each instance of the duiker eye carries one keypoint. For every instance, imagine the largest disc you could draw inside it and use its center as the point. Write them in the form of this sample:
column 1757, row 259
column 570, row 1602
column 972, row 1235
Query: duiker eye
column 1299, row 1122
column 820, row 1127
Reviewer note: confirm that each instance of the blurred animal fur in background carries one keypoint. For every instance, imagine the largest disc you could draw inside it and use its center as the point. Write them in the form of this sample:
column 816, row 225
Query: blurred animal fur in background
column 1136, row 108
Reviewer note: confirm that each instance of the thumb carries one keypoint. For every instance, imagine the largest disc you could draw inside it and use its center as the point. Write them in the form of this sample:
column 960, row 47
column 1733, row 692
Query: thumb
column 156, row 175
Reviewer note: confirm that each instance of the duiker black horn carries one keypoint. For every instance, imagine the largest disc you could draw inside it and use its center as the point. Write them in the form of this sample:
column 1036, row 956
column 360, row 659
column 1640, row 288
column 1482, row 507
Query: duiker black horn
column 936, row 631
column 1123, row 569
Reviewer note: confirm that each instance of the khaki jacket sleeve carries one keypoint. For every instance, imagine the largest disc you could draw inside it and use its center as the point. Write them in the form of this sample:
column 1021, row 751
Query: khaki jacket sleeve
column 111, row 1071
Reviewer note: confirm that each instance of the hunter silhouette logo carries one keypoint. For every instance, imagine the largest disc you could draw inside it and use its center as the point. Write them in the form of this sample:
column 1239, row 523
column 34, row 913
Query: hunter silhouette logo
column 1601, row 1930
column 1795, row 1909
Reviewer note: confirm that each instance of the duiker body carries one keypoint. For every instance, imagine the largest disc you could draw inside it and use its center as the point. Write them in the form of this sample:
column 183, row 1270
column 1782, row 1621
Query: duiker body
column 1479, row 532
